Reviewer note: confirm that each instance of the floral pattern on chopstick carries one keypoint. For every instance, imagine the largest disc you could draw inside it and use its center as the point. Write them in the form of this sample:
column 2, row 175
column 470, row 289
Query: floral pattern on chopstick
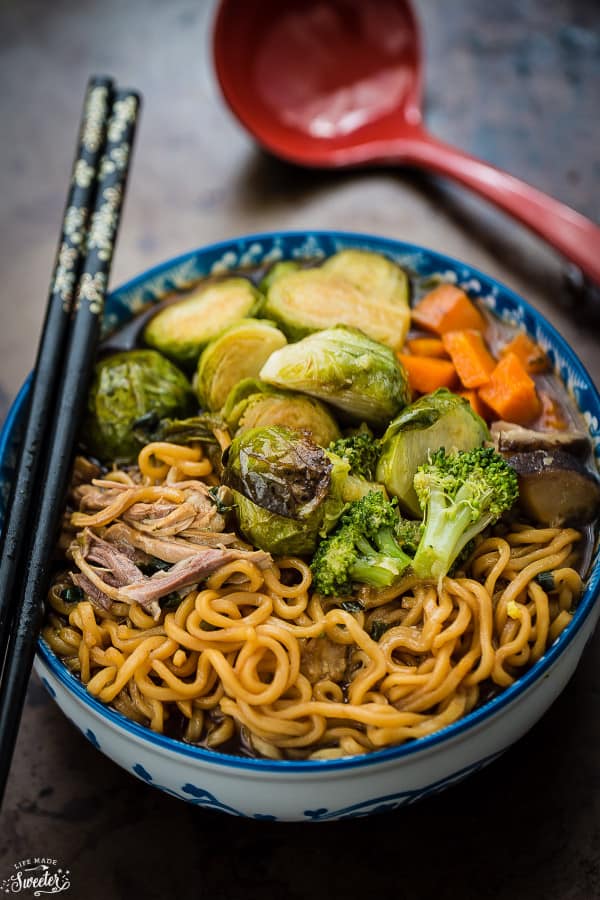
column 92, row 289
column 104, row 221
column 83, row 174
column 93, row 127
column 64, row 278
column 124, row 115
column 112, row 173
column 72, row 244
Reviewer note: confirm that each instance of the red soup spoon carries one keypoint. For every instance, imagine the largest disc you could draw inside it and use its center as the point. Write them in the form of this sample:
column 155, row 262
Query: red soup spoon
column 330, row 83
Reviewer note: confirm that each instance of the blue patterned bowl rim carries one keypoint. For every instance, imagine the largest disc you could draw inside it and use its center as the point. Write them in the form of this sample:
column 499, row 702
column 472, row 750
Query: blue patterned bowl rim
column 500, row 299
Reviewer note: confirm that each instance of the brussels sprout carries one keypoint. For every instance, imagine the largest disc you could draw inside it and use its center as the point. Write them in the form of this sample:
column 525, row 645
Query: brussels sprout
column 280, row 268
column 347, row 369
column 182, row 329
column 239, row 352
column 126, row 388
column 252, row 403
column 287, row 490
column 295, row 411
column 441, row 419
column 355, row 288
column 374, row 274
column 237, row 399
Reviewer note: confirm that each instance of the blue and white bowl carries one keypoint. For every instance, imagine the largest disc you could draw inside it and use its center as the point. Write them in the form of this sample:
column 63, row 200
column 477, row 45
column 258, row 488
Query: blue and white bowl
column 355, row 786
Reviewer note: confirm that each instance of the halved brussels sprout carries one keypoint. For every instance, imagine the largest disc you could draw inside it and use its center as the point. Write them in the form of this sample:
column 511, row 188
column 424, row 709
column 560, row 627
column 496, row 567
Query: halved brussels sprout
column 252, row 403
column 296, row 411
column 356, row 288
column 239, row 352
column 127, row 387
column 182, row 329
column 347, row 369
column 280, row 268
column 441, row 419
column 375, row 275
column 237, row 399
column 288, row 491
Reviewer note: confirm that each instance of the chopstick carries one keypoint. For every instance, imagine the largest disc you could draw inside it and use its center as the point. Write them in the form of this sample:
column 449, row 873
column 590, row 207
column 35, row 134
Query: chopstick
column 63, row 370
column 69, row 259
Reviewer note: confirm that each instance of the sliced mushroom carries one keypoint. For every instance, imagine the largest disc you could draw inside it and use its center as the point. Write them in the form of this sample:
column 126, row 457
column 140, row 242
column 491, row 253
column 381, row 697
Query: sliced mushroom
column 555, row 488
column 511, row 438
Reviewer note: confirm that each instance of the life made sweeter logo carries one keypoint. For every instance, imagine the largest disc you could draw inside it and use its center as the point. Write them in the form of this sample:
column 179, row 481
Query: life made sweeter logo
column 35, row 877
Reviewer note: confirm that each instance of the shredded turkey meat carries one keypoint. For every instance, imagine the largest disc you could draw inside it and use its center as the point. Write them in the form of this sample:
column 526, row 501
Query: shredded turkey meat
column 107, row 574
column 168, row 549
column 118, row 529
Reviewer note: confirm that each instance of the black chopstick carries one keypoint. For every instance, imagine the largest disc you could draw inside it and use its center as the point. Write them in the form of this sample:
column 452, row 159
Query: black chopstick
column 69, row 259
column 32, row 579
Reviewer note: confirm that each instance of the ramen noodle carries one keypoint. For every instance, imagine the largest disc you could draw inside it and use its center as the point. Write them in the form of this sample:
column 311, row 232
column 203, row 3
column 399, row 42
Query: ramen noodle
column 255, row 659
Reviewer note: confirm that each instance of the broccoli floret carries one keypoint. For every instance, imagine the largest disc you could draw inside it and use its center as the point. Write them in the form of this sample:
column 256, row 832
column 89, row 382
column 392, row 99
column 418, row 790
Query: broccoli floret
column 461, row 494
column 408, row 534
column 361, row 450
column 363, row 548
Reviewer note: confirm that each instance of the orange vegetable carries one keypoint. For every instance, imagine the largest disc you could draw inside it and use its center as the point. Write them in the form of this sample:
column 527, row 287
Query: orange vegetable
column 427, row 346
column 447, row 308
column 531, row 354
column 510, row 392
column 472, row 359
column 426, row 373
column 552, row 417
column 477, row 404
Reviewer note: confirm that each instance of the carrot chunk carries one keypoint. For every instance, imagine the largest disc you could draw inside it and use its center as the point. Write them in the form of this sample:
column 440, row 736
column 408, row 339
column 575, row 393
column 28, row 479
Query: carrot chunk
column 426, row 373
column 427, row 346
column 472, row 359
column 477, row 404
column 531, row 354
column 510, row 392
column 447, row 308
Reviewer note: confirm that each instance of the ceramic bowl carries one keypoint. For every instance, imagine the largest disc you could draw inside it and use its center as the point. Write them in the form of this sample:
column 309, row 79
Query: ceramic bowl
column 354, row 786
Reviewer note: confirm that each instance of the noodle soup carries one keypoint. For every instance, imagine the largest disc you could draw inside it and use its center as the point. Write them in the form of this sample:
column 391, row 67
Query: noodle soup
column 247, row 566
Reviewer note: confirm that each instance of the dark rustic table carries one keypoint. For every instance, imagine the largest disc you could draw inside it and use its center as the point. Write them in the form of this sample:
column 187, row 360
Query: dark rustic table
column 515, row 82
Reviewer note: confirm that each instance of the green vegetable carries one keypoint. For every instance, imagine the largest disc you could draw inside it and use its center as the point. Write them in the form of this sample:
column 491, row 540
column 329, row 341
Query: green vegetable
column 378, row 629
column 546, row 581
column 375, row 275
column 221, row 497
column 252, row 404
column 295, row 411
column 347, row 369
column 352, row 606
column 287, row 490
column 408, row 534
column 206, row 428
column 127, row 387
column 356, row 288
column 276, row 271
column 363, row 548
column 203, row 428
column 461, row 494
column 72, row 594
column 238, row 353
column 237, row 400
column 183, row 328
column 355, row 486
column 362, row 452
column 441, row 419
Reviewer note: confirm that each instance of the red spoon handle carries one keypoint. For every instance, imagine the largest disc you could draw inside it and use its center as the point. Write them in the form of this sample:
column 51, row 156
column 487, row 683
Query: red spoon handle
column 568, row 231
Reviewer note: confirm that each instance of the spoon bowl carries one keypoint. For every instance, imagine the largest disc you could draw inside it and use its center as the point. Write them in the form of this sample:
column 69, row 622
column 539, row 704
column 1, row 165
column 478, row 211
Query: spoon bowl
column 338, row 83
